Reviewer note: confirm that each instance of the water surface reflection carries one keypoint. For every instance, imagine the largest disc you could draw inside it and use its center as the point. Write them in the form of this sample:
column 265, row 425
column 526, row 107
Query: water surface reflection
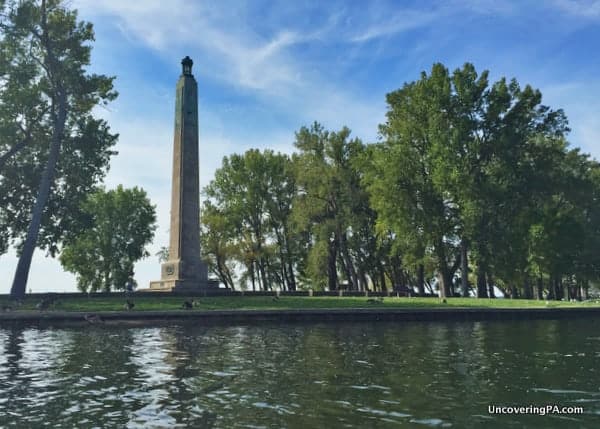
column 297, row 376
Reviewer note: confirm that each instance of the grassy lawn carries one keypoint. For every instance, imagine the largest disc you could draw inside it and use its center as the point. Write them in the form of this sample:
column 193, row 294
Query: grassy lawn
column 266, row 302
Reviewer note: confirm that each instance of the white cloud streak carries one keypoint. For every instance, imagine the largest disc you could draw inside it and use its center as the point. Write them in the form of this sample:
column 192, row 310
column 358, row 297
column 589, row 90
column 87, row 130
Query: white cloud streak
column 580, row 8
column 402, row 21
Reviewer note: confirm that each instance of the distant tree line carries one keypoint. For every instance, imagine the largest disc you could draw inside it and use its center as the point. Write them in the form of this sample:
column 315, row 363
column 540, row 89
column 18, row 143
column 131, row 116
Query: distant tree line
column 472, row 185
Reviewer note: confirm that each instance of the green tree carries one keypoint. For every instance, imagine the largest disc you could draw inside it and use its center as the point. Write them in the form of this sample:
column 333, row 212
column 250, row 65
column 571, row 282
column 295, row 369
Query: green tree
column 252, row 193
column 487, row 168
column 119, row 224
column 287, row 246
column 332, row 207
column 455, row 171
column 402, row 178
column 217, row 241
column 563, row 238
column 53, row 151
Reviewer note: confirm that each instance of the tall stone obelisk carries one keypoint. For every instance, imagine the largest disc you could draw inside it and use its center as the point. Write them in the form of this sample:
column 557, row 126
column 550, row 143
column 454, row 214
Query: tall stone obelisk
column 184, row 270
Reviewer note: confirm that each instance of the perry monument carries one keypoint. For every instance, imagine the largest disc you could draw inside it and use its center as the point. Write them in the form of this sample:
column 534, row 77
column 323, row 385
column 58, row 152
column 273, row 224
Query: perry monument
column 184, row 270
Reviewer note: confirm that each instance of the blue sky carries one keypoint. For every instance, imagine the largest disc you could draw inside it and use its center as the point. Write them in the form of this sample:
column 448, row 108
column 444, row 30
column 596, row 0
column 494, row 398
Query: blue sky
column 266, row 68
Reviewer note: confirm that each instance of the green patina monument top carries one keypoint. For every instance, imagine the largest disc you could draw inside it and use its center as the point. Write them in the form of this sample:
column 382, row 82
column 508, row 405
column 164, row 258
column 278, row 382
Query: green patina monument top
column 184, row 270
column 187, row 64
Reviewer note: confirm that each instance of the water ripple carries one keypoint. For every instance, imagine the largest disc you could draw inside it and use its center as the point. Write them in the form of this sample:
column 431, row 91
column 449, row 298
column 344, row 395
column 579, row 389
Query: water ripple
column 336, row 375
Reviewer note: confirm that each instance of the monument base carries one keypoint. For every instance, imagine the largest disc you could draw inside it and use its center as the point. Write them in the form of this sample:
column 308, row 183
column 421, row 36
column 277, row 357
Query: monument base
column 182, row 285
column 195, row 277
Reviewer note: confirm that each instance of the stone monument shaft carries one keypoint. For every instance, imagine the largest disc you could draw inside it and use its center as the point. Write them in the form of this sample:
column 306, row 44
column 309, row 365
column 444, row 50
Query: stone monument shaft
column 184, row 269
column 185, row 193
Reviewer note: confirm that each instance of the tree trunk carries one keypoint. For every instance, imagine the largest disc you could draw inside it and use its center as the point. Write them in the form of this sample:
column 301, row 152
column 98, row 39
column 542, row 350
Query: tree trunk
column 395, row 271
column 540, row 288
column 452, row 286
column 363, row 280
column 443, row 283
column 448, row 284
column 252, row 276
column 444, row 276
column 382, row 278
column 551, row 289
column 331, row 266
column 229, row 278
column 528, row 292
column 561, row 290
column 290, row 265
column 220, row 271
column 513, row 292
column 269, row 282
column 283, row 268
column 421, row 279
column 557, row 294
column 464, row 269
column 19, row 285
column 481, row 286
column 292, row 284
column 345, row 270
column 286, row 259
column 284, row 276
column 260, row 265
column 490, row 285
column 349, row 265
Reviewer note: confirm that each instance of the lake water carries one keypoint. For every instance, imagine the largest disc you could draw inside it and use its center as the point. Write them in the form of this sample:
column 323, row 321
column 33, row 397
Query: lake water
column 368, row 375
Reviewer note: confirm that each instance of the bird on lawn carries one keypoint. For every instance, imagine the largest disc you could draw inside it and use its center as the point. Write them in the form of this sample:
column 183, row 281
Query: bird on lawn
column 93, row 319
column 129, row 305
column 187, row 305
column 43, row 304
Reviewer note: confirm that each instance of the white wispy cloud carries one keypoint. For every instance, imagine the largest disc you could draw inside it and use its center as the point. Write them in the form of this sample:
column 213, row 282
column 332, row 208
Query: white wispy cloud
column 580, row 8
column 233, row 52
column 385, row 19
column 237, row 54
column 383, row 25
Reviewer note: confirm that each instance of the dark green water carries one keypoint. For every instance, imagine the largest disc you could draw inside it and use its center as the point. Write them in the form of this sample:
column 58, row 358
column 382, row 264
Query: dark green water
column 301, row 376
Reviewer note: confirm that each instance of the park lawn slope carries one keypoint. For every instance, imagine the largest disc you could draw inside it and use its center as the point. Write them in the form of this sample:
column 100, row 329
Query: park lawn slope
column 146, row 303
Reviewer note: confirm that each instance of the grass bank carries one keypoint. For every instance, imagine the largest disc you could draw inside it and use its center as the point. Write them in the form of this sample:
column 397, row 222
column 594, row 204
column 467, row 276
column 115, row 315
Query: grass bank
column 162, row 303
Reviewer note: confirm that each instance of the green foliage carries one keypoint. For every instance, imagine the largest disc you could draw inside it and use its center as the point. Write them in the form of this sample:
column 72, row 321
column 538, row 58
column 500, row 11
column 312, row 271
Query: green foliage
column 463, row 165
column 332, row 208
column 45, row 53
column 217, row 241
column 246, row 220
column 485, row 165
column 119, row 224
column 403, row 177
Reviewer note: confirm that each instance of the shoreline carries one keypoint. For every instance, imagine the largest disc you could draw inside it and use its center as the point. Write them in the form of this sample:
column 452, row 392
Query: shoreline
column 236, row 317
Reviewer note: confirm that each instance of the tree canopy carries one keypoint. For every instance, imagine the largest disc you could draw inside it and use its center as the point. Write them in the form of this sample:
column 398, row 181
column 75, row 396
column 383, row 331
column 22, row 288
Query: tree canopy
column 118, row 225
column 472, row 183
column 53, row 151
